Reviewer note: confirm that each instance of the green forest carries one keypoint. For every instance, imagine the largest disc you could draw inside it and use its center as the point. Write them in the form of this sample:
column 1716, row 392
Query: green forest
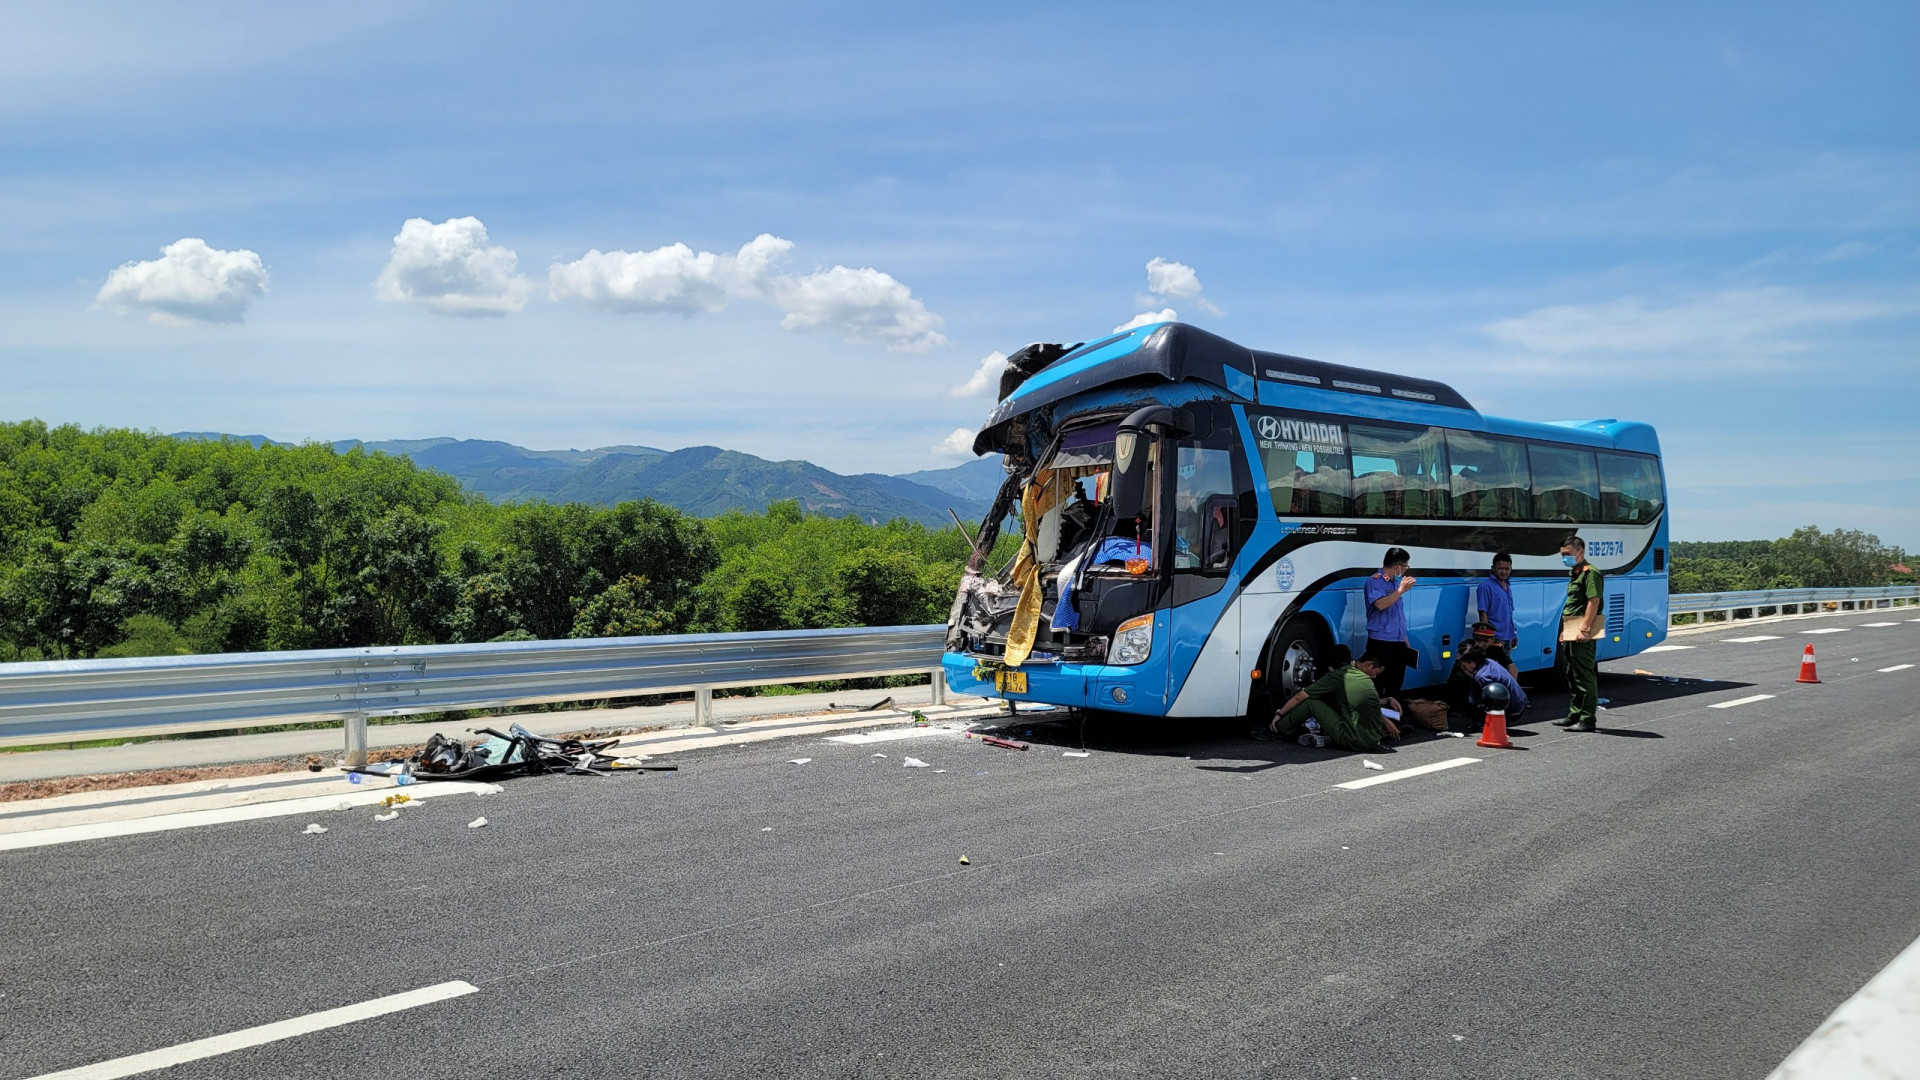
column 125, row 543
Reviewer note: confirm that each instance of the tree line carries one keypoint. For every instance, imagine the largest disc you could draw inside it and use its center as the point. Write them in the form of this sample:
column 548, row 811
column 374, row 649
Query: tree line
column 125, row 543
column 1807, row 559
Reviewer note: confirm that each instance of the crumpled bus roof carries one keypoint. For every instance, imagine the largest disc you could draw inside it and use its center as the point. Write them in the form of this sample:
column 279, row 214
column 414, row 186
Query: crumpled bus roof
column 1175, row 352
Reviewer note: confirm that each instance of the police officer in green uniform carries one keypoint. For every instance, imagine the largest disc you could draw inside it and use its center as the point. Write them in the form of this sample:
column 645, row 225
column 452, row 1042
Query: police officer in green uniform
column 1346, row 703
column 1579, row 637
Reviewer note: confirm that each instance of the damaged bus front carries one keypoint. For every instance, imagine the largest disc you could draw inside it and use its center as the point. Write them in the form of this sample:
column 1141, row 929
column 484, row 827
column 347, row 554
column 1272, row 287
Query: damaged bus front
column 1198, row 522
column 1127, row 478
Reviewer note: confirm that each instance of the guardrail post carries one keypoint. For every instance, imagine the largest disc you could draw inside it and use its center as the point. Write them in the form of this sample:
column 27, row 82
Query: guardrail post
column 938, row 686
column 356, row 740
column 703, row 707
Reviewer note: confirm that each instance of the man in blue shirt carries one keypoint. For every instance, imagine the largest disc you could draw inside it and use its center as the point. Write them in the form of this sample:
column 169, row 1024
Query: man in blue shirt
column 1387, row 619
column 1494, row 598
column 1485, row 673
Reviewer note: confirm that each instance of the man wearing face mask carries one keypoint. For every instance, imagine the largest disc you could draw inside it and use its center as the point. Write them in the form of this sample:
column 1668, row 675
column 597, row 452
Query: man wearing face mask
column 1387, row 618
column 1579, row 636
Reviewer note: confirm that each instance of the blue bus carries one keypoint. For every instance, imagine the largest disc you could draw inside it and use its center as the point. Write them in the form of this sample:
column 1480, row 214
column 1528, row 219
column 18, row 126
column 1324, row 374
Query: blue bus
column 1198, row 520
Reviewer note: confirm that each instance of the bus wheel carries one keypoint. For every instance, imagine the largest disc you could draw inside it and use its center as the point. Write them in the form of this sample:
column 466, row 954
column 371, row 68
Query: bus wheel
column 1297, row 658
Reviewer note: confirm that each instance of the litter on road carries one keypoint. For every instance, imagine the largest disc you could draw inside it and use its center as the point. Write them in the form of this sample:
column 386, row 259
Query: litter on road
column 316, row 829
column 1073, row 753
column 995, row 740
column 798, row 760
column 878, row 706
column 1366, row 764
column 964, row 861
column 477, row 823
column 914, row 763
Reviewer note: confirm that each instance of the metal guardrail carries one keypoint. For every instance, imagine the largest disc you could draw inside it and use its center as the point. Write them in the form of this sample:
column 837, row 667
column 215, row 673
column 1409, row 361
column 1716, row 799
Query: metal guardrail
column 65, row 700
column 1703, row 604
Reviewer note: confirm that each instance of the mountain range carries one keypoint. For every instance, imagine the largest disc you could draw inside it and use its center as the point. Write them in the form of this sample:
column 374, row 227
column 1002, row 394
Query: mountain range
column 702, row 480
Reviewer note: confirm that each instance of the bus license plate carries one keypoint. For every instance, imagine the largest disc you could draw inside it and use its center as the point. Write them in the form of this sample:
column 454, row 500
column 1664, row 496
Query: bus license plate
column 1010, row 682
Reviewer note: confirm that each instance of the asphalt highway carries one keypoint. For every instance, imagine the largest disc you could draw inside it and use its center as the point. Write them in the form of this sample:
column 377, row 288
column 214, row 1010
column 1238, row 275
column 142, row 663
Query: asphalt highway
column 1687, row 893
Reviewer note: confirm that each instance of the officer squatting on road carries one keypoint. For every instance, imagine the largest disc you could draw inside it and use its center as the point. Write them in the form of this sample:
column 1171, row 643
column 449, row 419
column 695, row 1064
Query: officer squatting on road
column 1340, row 708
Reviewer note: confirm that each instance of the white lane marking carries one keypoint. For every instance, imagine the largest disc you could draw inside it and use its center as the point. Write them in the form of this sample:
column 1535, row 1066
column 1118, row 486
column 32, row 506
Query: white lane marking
column 265, row 1033
column 1667, row 648
column 1870, row 1033
column 1831, row 630
column 888, row 736
column 1751, row 640
column 1740, row 701
column 1879, row 624
column 1896, row 667
column 98, row 830
column 1452, row 763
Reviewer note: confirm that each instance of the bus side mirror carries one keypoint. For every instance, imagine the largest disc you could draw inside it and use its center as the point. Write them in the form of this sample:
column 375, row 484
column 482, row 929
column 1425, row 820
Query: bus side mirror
column 1130, row 446
column 1129, row 474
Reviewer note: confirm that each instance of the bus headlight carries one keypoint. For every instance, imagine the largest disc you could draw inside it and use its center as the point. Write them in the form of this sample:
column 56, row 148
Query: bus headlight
column 1133, row 642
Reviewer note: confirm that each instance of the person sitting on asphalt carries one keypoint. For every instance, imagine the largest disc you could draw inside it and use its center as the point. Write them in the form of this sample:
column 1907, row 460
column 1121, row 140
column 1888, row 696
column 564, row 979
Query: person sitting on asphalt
column 1485, row 671
column 1344, row 702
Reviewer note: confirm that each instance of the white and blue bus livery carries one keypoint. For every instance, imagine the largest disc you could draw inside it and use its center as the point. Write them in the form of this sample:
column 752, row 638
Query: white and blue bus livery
column 1199, row 520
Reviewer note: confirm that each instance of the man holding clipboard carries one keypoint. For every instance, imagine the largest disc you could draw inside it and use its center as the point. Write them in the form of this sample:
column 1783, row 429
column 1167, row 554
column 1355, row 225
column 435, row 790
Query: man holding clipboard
column 1579, row 636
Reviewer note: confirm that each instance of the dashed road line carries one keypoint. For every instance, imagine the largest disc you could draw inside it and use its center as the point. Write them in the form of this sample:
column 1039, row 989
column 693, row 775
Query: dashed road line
column 1831, row 630
column 1879, row 624
column 1739, row 701
column 1419, row 770
column 247, row 1038
column 1666, row 648
column 1896, row 667
column 1751, row 640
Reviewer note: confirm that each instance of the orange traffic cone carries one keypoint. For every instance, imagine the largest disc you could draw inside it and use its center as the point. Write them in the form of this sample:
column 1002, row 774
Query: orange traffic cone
column 1494, row 733
column 1807, row 673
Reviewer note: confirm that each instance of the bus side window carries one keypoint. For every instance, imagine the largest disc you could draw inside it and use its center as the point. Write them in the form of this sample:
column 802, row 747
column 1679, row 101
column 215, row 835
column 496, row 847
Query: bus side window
column 1565, row 487
column 1629, row 489
column 1490, row 481
column 1398, row 472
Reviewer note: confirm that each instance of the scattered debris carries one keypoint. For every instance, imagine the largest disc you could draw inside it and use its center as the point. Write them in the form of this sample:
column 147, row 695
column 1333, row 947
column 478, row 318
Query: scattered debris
column 913, row 763
column 880, row 755
column 388, row 816
column 798, row 760
column 396, row 800
column 1606, row 701
column 995, row 740
column 767, row 829
column 938, row 771
column 477, row 823
column 316, row 829
column 1369, row 764
column 964, row 861
column 920, row 719
column 1454, row 734
column 878, row 706
column 343, row 804
column 1073, row 753
column 1641, row 671
column 514, row 752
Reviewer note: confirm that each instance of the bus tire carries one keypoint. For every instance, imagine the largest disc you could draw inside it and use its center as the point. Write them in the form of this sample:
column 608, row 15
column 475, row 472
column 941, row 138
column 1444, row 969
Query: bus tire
column 1297, row 656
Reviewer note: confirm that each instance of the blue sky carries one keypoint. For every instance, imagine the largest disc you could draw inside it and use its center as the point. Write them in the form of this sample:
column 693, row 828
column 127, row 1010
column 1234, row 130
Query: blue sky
column 1703, row 216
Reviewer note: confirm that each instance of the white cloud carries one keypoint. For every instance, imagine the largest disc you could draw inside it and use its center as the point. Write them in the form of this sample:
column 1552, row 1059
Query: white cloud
column 1746, row 319
column 672, row 278
column 1172, row 280
column 1148, row 318
column 1175, row 280
column 863, row 305
column 985, row 378
column 449, row 269
column 190, row 282
column 958, row 444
